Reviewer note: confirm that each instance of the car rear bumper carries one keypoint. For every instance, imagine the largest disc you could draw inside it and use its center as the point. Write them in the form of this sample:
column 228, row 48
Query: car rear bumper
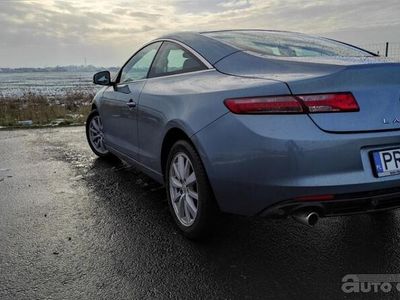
column 341, row 205
column 257, row 161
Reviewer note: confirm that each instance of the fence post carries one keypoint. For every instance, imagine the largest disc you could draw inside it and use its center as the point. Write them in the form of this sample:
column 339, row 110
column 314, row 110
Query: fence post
column 387, row 49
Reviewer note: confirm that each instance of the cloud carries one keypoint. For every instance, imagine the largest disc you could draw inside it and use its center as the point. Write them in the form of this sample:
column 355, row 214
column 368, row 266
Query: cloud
column 106, row 32
column 235, row 4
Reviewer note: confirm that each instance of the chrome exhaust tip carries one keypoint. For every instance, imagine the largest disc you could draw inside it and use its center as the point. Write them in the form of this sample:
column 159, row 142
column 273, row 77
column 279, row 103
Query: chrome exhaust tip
column 309, row 218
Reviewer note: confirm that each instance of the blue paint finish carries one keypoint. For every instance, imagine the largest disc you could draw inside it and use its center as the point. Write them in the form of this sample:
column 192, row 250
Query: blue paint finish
column 190, row 103
column 211, row 49
column 263, row 159
column 374, row 83
column 254, row 161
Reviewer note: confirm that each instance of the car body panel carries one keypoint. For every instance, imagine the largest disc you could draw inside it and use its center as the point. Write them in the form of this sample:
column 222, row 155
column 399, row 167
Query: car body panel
column 189, row 102
column 119, row 120
column 370, row 80
column 256, row 161
column 276, row 158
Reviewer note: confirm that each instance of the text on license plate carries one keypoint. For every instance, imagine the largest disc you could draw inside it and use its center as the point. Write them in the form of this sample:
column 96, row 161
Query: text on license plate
column 387, row 162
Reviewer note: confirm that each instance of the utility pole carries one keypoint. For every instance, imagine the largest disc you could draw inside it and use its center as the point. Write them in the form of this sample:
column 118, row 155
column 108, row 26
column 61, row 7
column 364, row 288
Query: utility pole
column 387, row 49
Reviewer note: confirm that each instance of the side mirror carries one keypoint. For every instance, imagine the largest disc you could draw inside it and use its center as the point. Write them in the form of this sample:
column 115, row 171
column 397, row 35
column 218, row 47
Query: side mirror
column 102, row 78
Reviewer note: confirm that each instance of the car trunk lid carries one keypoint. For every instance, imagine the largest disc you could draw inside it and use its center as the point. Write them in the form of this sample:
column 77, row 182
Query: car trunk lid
column 373, row 81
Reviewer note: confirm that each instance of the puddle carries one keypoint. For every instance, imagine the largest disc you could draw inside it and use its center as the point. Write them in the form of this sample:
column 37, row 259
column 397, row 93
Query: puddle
column 4, row 175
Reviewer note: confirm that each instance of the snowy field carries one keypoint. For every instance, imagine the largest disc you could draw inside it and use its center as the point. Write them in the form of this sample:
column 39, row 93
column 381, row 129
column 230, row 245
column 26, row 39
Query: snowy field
column 49, row 84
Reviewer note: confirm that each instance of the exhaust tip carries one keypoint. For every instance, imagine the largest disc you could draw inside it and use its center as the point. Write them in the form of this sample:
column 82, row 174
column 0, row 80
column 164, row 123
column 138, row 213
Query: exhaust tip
column 309, row 218
column 313, row 218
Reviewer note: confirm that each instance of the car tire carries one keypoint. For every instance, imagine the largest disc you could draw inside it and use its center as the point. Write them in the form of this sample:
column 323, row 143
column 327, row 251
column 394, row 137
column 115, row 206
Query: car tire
column 194, row 217
column 95, row 127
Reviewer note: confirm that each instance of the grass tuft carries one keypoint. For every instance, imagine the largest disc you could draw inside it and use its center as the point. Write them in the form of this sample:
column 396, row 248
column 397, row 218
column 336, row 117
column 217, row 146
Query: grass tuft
column 71, row 108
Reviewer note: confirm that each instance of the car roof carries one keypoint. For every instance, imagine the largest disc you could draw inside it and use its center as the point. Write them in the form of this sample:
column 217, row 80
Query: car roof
column 211, row 49
column 250, row 30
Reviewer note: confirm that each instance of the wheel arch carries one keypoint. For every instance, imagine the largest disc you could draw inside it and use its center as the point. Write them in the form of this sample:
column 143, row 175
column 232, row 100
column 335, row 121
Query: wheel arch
column 96, row 101
column 175, row 134
column 171, row 137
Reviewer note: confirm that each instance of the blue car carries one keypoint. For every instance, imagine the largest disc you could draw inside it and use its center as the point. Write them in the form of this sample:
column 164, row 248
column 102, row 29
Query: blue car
column 255, row 122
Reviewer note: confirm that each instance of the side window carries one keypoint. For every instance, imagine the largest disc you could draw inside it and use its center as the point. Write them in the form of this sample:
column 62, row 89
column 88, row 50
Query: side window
column 138, row 66
column 173, row 59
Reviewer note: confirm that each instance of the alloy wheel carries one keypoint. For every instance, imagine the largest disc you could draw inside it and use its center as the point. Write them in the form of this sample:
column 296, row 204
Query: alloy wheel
column 96, row 135
column 183, row 189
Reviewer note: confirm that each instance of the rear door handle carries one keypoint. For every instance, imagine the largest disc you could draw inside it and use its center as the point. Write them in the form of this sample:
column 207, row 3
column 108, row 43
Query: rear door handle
column 131, row 104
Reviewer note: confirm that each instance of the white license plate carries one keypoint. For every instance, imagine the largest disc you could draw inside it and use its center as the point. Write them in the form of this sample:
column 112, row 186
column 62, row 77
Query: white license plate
column 387, row 162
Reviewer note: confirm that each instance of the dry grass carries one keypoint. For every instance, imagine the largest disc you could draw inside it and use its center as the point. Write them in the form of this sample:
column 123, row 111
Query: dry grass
column 72, row 108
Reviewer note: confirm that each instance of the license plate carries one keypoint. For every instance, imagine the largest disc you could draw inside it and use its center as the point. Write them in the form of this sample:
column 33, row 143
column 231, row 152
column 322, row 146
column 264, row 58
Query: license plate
column 387, row 162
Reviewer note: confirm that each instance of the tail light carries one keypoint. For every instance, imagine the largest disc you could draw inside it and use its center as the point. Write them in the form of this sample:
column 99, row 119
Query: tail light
column 316, row 198
column 343, row 102
column 316, row 103
column 262, row 105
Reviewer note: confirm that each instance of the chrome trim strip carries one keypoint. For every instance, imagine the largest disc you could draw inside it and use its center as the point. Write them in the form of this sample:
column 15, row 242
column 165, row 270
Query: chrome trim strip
column 186, row 47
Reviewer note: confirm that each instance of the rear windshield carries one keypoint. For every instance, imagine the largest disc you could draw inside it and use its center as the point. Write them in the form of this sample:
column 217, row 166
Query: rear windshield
column 285, row 44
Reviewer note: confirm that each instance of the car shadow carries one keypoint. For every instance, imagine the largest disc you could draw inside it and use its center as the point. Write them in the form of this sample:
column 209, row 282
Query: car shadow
column 244, row 257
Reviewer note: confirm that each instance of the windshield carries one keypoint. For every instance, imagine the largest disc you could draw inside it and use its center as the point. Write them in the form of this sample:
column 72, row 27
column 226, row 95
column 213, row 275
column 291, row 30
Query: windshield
column 285, row 44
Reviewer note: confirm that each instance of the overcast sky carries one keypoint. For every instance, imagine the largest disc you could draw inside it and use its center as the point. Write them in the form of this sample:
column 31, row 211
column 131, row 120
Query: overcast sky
column 106, row 32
